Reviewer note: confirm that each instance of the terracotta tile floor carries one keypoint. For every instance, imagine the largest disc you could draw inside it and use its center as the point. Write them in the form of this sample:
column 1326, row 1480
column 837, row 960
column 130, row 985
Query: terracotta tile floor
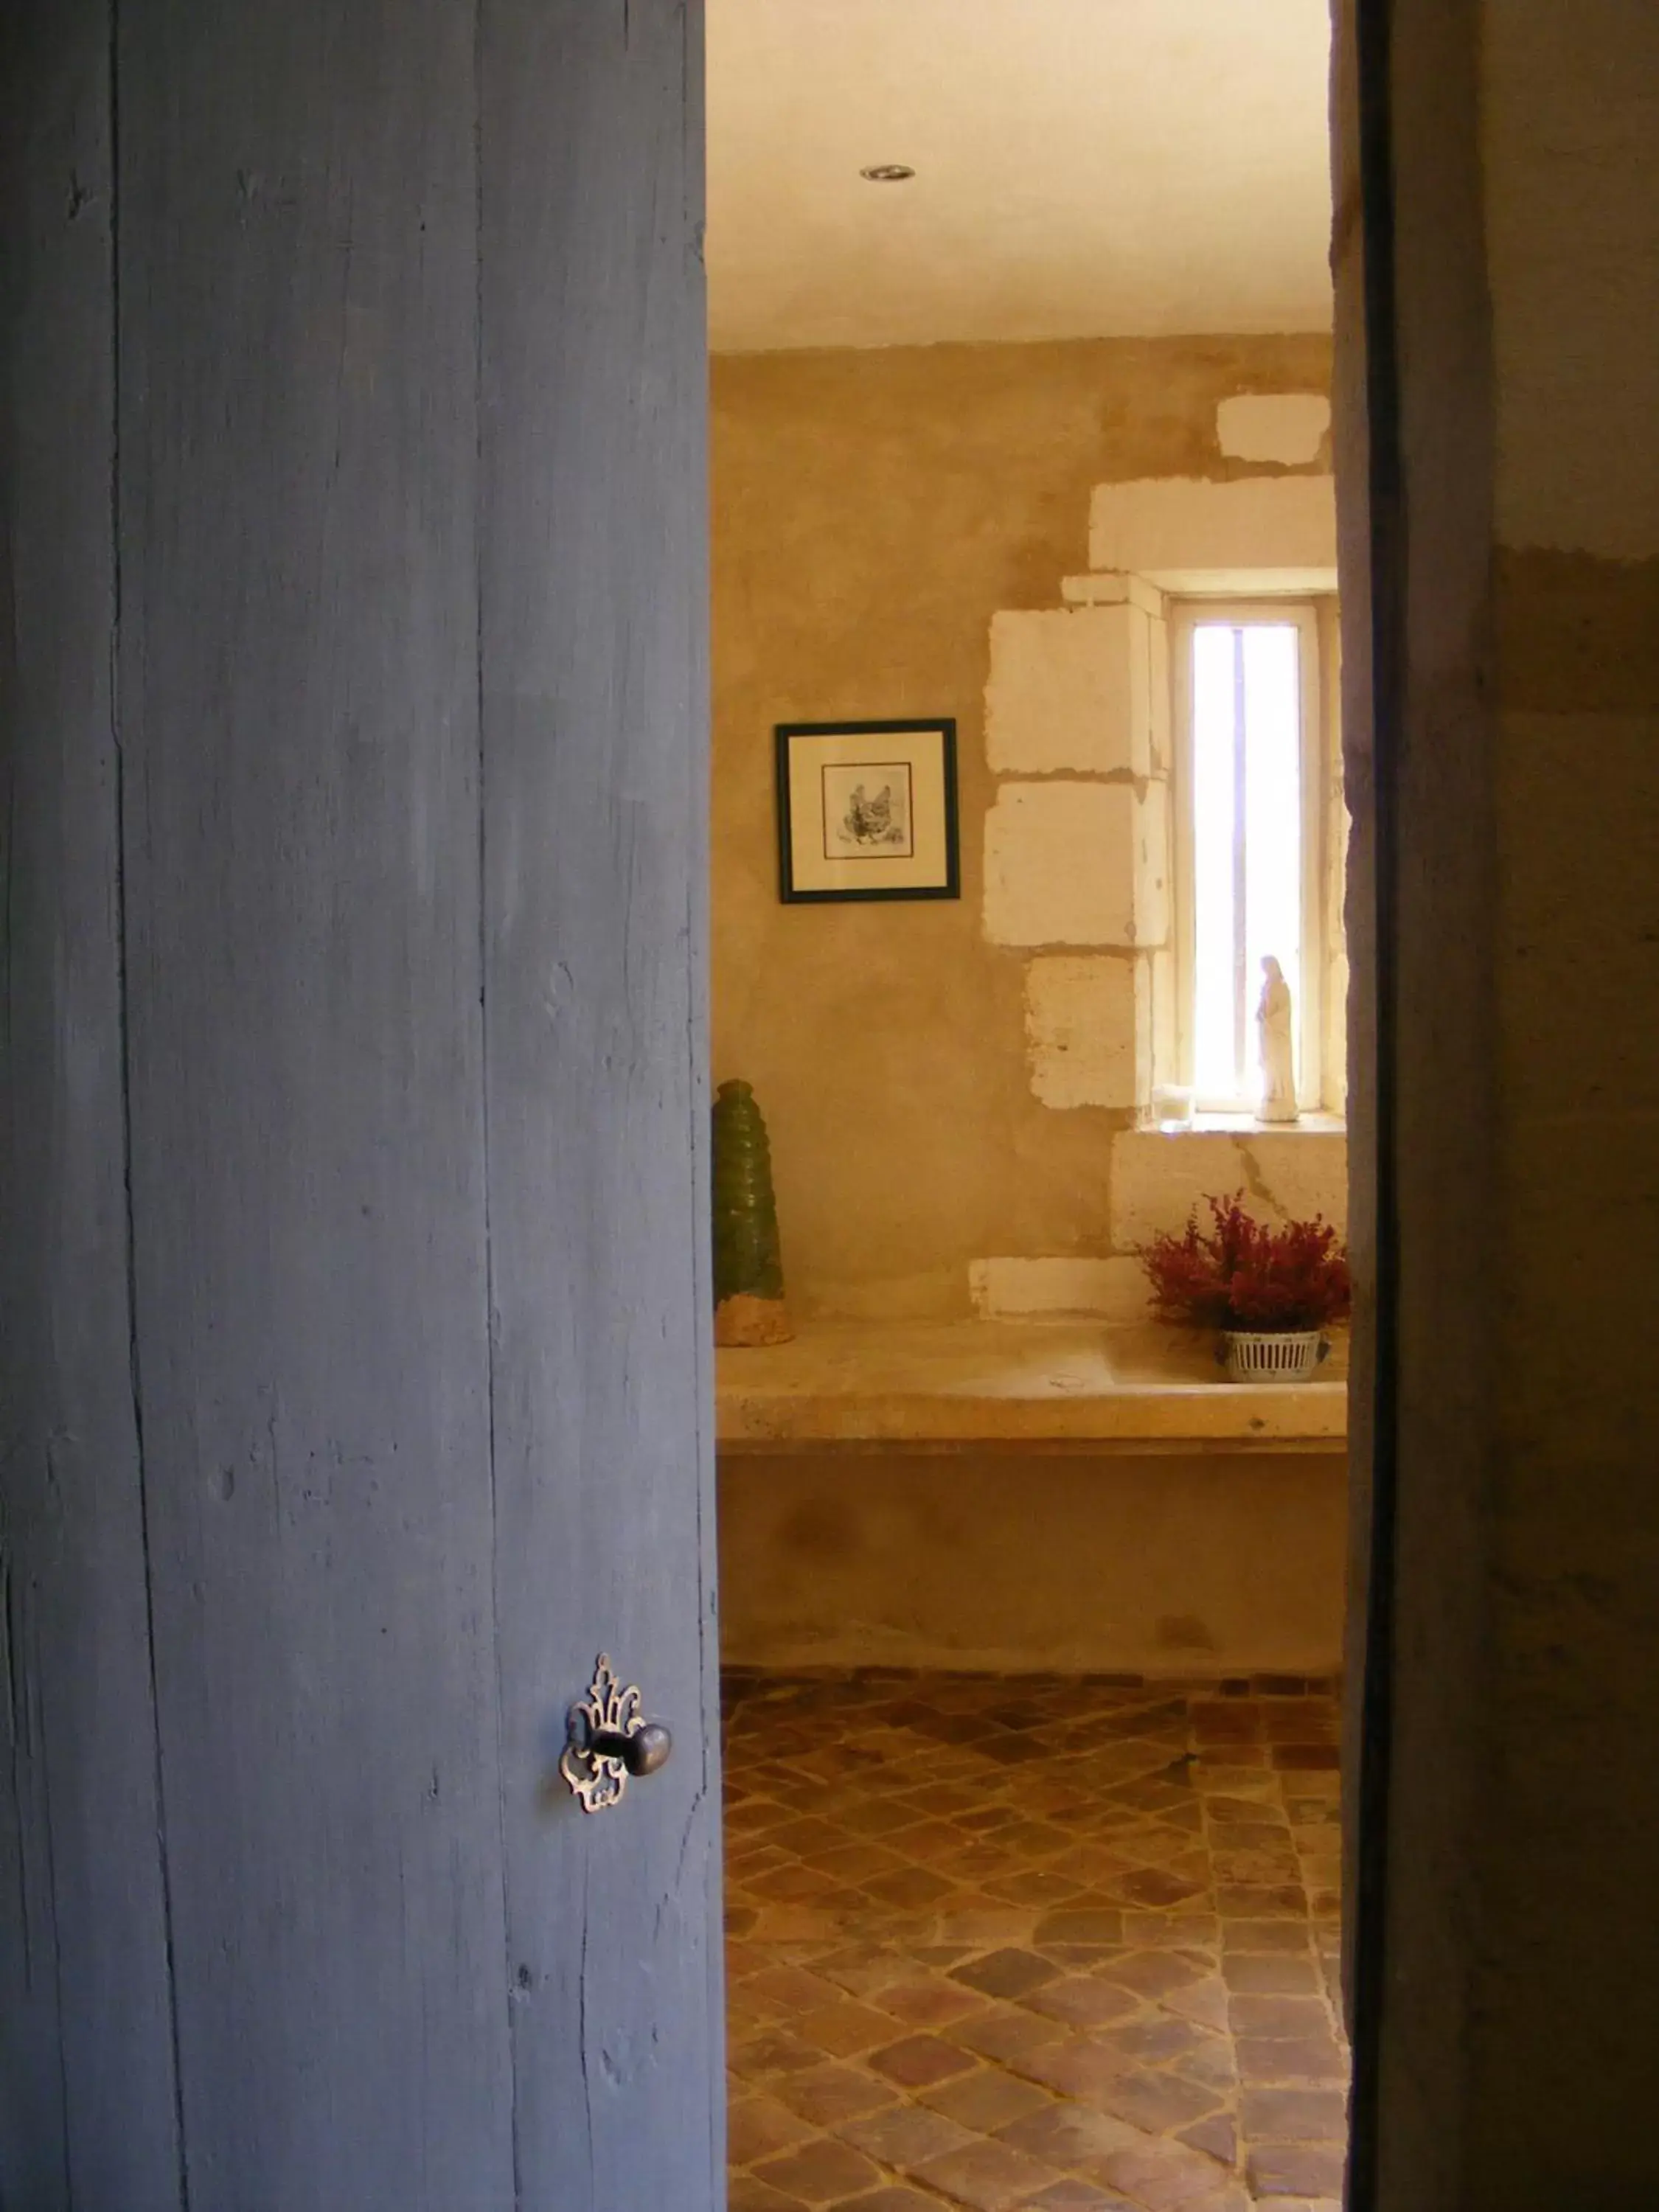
column 1027, row 1942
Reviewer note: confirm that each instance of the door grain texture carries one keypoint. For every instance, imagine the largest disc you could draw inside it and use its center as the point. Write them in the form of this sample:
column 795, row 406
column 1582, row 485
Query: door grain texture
column 593, row 570
column 356, row 1295
column 87, row 2082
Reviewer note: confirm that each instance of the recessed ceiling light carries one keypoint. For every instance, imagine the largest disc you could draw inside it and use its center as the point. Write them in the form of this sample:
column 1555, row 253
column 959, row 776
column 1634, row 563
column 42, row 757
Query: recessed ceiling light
column 888, row 172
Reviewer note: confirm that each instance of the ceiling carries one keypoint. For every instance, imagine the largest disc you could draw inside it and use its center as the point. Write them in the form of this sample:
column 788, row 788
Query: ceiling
column 1083, row 168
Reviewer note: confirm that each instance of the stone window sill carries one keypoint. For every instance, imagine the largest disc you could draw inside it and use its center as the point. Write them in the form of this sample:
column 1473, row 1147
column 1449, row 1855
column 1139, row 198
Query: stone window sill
column 1246, row 1125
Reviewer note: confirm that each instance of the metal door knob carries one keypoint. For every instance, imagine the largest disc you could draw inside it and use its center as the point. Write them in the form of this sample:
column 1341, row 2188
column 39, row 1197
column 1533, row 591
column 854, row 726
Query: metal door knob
column 607, row 1739
column 641, row 1750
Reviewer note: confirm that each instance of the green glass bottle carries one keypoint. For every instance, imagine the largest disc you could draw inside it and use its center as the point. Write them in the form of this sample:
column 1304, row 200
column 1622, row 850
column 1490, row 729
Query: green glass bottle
column 749, row 1304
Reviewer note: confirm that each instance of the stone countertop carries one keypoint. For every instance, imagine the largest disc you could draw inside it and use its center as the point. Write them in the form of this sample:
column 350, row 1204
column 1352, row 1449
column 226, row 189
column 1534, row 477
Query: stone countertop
column 1072, row 1386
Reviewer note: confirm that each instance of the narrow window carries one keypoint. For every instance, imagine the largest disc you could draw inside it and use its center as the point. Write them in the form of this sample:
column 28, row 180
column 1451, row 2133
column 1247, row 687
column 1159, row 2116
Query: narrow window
column 1249, row 831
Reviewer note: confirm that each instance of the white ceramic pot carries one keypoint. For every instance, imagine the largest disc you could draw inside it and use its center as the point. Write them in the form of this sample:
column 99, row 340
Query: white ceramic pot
column 1273, row 1355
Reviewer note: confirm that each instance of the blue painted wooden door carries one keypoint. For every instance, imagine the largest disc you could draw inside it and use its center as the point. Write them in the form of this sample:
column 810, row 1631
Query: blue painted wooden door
column 356, row 1395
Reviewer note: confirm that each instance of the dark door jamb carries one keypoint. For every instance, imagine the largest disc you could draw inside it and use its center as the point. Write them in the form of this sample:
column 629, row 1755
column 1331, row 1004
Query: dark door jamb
column 1373, row 28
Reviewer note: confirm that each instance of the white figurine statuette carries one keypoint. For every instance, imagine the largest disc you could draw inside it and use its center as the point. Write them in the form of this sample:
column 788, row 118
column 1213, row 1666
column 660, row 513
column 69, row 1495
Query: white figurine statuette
column 1272, row 1023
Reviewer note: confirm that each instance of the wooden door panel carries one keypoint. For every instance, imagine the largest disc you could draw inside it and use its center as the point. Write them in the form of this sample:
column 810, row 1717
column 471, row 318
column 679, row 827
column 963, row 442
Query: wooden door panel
column 299, row 710
column 86, row 2085
column 355, row 1290
column 595, row 765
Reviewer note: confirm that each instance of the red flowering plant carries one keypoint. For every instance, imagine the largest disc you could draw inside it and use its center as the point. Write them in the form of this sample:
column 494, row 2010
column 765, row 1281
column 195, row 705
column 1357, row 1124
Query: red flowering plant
column 1240, row 1274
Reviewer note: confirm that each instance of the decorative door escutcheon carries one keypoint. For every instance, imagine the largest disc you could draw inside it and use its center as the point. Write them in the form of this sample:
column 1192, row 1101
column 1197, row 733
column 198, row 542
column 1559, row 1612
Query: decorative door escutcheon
column 607, row 1738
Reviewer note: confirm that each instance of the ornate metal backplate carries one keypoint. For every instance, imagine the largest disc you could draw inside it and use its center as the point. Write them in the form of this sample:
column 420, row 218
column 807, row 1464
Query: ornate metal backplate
column 596, row 1779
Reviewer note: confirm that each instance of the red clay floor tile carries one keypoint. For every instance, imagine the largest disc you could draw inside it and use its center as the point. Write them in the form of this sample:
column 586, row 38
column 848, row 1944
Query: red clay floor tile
column 1032, row 1945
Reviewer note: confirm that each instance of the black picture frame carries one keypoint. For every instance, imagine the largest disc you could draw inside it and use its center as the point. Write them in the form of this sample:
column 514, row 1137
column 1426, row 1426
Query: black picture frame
column 788, row 735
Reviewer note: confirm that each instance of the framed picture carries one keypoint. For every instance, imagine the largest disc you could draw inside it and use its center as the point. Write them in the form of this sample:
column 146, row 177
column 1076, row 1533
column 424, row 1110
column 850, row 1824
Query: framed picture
column 868, row 810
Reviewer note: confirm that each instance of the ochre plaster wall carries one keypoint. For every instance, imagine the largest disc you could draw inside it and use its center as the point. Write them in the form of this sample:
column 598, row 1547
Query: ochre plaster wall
column 1166, row 1565
column 872, row 511
column 1509, row 2041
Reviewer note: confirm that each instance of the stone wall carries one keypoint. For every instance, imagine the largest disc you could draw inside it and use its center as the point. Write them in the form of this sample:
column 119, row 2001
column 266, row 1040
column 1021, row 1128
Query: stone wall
column 991, row 533
column 1168, row 1566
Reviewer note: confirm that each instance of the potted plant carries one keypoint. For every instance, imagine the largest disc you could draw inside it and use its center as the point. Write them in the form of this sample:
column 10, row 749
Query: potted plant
column 1271, row 1292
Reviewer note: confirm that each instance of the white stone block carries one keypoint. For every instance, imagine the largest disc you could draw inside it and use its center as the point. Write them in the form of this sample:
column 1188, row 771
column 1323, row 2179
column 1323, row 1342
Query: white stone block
column 1109, row 589
column 1073, row 863
column 1158, row 1178
column 1036, row 1290
column 1288, row 426
column 1184, row 534
column 1087, row 1030
column 1069, row 690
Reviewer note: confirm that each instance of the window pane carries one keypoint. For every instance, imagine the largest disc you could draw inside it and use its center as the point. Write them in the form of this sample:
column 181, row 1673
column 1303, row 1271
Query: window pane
column 1273, row 815
column 1247, row 842
column 1214, row 1024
